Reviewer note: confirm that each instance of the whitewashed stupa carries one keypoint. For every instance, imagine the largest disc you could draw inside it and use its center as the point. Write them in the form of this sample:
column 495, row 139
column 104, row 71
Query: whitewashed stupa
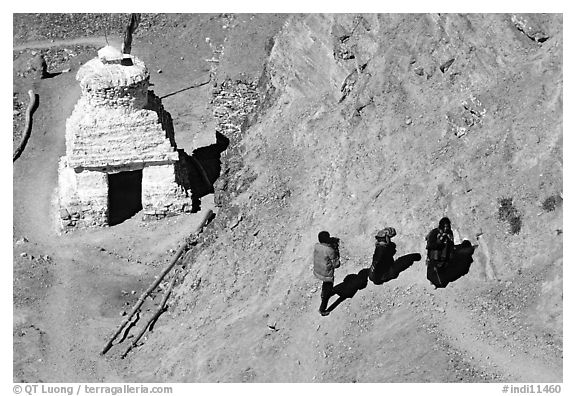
column 120, row 151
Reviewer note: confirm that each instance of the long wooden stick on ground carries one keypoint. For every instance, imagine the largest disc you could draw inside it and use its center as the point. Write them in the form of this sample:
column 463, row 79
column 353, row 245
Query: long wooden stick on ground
column 129, row 327
column 155, row 284
column 152, row 319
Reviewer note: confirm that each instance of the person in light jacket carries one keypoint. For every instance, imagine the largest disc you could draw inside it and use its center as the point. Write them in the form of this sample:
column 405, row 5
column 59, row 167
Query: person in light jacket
column 326, row 259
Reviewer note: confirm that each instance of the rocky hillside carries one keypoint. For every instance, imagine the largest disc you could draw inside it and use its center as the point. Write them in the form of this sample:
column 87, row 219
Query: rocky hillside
column 362, row 122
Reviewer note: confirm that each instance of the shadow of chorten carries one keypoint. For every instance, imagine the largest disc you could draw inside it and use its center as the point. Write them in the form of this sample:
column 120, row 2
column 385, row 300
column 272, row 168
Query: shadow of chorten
column 155, row 104
column 198, row 172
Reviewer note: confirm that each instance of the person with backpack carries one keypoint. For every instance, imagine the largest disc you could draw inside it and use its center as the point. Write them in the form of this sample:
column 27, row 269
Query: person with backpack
column 440, row 247
column 382, row 267
column 326, row 258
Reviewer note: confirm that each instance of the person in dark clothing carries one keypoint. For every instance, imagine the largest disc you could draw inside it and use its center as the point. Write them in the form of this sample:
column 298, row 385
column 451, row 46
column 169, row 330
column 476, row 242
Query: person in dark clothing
column 326, row 259
column 382, row 267
column 440, row 247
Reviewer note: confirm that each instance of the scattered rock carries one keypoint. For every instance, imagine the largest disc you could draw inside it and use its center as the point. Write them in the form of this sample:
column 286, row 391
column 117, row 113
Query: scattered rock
column 552, row 202
column 235, row 222
column 64, row 214
column 272, row 325
column 530, row 26
column 444, row 67
column 21, row 241
column 37, row 67
column 408, row 121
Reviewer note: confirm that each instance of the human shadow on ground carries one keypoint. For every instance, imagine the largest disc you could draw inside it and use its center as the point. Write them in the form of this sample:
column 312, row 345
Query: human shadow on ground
column 458, row 266
column 399, row 265
column 349, row 287
column 352, row 283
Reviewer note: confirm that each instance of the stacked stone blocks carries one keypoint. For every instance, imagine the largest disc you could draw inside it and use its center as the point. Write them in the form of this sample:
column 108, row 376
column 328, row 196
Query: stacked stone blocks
column 233, row 102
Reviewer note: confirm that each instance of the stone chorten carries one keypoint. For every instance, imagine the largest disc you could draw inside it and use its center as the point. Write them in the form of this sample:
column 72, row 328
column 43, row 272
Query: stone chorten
column 121, row 155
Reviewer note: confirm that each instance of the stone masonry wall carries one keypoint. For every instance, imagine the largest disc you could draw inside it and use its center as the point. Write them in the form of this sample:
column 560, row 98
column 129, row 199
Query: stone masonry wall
column 135, row 96
column 83, row 197
column 101, row 137
column 114, row 85
column 233, row 101
column 161, row 196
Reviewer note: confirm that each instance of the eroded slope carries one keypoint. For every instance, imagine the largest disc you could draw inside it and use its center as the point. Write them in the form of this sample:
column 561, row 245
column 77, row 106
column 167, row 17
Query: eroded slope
column 372, row 121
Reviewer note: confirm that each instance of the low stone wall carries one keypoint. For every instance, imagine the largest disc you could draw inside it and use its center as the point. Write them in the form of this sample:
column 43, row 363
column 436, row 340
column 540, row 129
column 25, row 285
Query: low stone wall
column 233, row 101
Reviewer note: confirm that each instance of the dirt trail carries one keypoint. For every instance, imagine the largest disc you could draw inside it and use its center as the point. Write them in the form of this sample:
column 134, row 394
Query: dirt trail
column 471, row 335
column 492, row 354
column 99, row 41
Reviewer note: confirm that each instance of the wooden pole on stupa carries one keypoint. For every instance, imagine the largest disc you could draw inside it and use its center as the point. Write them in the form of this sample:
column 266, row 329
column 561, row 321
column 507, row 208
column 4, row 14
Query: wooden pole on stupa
column 130, row 29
